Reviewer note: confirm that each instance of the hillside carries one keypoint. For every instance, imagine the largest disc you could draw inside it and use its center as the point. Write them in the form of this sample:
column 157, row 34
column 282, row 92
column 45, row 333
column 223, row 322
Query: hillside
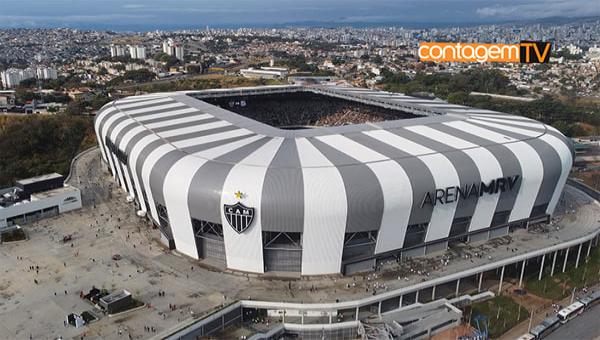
column 35, row 145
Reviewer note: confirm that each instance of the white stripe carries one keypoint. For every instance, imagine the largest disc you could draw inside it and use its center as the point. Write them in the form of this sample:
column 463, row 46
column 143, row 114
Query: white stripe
column 395, row 186
column 473, row 111
column 525, row 132
column 139, row 128
column 139, row 98
column 352, row 148
column 162, row 150
column 147, row 167
column 176, row 121
column 98, row 132
column 481, row 132
column 133, row 158
column 532, row 123
column 128, row 136
column 529, row 160
column 398, row 142
column 103, row 130
column 563, row 153
column 128, row 178
column 142, row 103
column 489, row 169
column 104, row 133
column 176, row 190
column 531, row 180
column 325, row 211
column 566, row 160
column 487, row 165
column 443, row 137
column 210, row 138
column 390, row 96
column 155, row 108
column 193, row 129
column 244, row 251
column 113, row 136
column 440, row 105
column 217, row 151
column 494, row 114
column 163, row 114
column 444, row 175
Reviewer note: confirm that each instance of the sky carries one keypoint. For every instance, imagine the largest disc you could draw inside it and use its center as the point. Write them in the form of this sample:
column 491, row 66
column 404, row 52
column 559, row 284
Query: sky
column 181, row 14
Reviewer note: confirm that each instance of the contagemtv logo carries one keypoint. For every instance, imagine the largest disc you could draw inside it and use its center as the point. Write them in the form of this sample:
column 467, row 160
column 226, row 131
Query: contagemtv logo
column 524, row 52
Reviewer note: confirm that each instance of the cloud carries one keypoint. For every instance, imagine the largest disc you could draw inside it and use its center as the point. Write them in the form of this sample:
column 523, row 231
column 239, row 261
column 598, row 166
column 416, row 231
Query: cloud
column 537, row 9
column 133, row 6
column 47, row 20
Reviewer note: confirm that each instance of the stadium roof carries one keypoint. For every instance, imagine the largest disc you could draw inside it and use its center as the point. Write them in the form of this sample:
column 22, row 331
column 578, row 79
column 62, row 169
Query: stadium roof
column 163, row 111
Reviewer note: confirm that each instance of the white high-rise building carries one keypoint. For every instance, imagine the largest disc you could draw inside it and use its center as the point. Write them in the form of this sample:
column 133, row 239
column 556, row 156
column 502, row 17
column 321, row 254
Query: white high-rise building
column 141, row 52
column 172, row 48
column 117, row 51
column 132, row 52
column 137, row 52
column 178, row 52
column 46, row 73
column 166, row 47
column 12, row 77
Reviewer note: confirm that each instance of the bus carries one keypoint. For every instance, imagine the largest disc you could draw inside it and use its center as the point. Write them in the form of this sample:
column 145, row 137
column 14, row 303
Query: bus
column 590, row 299
column 546, row 327
column 570, row 312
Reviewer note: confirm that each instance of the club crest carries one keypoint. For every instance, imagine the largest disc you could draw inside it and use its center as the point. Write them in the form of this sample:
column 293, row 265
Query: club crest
column 239, row 216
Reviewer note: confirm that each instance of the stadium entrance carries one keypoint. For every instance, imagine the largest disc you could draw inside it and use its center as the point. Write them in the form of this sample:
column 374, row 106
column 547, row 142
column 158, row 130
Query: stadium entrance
column 209, row 241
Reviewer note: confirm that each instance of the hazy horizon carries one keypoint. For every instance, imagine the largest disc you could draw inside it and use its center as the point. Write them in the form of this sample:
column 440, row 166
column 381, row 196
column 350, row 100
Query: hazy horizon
column 189, row 14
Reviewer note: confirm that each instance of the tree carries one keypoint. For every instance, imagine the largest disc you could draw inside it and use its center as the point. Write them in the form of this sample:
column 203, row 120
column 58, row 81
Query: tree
column 194, row 69
column 98, row 101
column 75, row 108
column 460, row 98
column 377, row 60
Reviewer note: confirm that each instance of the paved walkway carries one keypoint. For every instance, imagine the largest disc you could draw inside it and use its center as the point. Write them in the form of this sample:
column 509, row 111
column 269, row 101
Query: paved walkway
column 108, row 225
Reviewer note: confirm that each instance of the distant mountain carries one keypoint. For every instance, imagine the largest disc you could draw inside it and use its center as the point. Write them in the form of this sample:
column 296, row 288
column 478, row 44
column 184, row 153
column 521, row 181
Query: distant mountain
column 417, row 25
column 341, row 22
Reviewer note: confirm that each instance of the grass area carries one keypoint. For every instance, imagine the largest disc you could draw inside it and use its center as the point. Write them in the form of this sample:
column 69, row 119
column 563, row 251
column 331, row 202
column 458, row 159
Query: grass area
column 501, row 312
column 561, row 284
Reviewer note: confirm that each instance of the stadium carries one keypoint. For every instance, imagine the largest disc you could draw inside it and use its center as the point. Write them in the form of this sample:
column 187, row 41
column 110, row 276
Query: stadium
column 317, row 180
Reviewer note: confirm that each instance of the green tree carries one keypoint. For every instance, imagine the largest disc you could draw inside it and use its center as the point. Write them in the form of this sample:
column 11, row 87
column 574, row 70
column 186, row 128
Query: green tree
column 75, row 108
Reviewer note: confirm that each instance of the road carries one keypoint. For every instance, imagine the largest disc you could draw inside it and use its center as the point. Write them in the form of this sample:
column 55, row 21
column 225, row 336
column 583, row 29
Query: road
column 583, row 327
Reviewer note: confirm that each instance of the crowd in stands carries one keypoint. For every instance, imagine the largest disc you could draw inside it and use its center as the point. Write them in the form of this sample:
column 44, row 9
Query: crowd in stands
column 305, row 109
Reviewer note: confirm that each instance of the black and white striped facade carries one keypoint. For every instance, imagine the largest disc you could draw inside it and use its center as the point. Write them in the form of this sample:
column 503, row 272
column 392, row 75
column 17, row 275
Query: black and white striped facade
column 323, row 200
